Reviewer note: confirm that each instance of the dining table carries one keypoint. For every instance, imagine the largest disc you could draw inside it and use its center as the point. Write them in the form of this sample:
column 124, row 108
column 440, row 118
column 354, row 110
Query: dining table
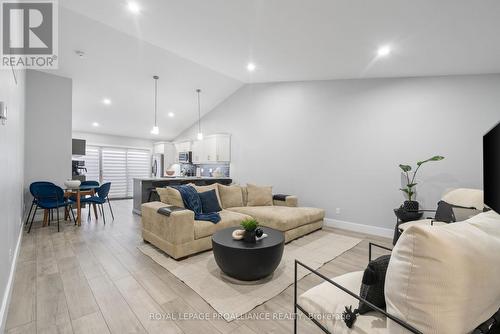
column 86, row 190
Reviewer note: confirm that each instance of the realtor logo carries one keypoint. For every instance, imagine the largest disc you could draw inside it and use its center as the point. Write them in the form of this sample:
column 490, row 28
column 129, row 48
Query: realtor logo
column 29, row 34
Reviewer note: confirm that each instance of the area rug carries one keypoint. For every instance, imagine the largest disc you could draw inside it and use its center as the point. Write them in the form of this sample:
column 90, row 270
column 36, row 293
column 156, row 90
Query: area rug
column 231, row 298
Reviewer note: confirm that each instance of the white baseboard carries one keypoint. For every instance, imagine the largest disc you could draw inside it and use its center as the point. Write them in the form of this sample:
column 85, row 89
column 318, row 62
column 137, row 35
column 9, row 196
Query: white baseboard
column 8, row 287
column 368, row 229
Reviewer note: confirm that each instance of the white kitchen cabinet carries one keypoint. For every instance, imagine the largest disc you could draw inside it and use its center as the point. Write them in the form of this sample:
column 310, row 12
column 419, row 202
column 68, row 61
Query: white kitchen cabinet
column 197, row 151
column 168, row 151
column 223, row 144
column 212, row 149
column 159, row 148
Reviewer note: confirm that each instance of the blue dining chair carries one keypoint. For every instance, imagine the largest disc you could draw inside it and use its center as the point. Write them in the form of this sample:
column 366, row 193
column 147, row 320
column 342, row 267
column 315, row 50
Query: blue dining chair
column 100, row 198
column 83, row 184
column 49, row 197
column 89, row 183
column 33, row 188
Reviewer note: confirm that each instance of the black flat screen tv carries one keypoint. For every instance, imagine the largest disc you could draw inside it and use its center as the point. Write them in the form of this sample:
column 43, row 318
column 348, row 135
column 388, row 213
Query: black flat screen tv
column 491, row 166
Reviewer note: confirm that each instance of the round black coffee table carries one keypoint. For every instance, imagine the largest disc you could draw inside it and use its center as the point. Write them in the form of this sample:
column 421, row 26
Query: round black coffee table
column 248, row 261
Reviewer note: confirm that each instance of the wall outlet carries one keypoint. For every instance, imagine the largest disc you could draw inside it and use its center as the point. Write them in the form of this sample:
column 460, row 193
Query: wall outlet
column 10, row 254
column 337, row 211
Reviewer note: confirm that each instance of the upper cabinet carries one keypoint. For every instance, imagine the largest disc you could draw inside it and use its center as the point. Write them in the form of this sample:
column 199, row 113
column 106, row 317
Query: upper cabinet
column 168, row 151
column 212, row 149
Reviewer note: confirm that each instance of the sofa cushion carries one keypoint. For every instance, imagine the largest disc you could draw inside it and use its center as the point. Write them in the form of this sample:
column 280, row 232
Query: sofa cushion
column 228, row 219
column 209, row 201
column 259, row 195
column 244, row 193
column 372, row 287
column 444, row 279
column 465, row 197
column 282, row 218
column 170, row 196
column 230, row 196
column 422, row 222
column 201, row 189
column 327, row 303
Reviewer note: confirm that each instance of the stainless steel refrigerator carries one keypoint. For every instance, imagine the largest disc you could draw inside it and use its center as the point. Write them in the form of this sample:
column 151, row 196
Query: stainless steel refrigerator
column 157, row 165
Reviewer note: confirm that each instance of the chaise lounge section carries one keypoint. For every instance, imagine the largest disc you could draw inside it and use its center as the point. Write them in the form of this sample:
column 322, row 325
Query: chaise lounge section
column 179, row 235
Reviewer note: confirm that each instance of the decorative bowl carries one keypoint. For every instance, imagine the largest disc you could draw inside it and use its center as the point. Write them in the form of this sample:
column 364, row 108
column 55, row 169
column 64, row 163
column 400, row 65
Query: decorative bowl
column 72, row 184
column 170, row 172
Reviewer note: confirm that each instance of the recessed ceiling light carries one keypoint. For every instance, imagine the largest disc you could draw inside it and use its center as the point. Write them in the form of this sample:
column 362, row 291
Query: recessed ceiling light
column 95, row 124
column 134, row 7
column 251, row 67
column 171, row 114
column 384, row 51
column 106, row 101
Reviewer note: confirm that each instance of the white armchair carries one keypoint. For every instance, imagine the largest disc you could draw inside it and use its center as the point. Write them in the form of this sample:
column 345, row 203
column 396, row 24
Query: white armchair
column 464, row 197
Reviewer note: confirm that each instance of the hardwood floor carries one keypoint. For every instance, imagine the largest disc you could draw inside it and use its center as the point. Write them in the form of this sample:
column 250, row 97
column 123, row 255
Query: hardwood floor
column 93, row 279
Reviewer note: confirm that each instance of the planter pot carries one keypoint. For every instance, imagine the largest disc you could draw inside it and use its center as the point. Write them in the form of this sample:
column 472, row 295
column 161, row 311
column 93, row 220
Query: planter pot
column 406, row 216
column 249, row 236
column 410, row 206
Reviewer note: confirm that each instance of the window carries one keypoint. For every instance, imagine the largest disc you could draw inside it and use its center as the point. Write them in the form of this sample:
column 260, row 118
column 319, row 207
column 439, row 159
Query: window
column 119, row 166
column 92, row 163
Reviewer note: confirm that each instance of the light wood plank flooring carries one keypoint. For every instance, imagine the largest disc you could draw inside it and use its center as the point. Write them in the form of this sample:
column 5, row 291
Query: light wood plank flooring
column 93, row 279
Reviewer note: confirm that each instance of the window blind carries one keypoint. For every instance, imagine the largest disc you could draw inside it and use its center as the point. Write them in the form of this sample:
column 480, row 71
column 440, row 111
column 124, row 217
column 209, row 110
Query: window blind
column 114, row 170
column 138, row 165
column 119, row 166
column 92, row 163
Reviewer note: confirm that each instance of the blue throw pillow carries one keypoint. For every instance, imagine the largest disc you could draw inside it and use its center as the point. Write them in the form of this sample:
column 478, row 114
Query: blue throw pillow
column 209, row 201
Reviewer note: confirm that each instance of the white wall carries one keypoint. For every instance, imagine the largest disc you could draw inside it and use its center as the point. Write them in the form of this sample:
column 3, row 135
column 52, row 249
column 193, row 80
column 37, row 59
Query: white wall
column 11, row 180
column 48, row 129
column 111, row 140
column 337, row 144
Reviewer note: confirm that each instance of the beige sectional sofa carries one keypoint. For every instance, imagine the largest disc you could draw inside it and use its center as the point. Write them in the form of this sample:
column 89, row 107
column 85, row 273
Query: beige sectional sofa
column 179, row 235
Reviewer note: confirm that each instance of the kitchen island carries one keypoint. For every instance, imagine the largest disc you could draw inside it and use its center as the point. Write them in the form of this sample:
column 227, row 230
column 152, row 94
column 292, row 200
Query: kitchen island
column 144, row 188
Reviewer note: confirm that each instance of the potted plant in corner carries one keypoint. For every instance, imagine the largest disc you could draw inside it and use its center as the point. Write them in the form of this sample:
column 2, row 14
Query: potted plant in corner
column 251, row 230
column 409, row 189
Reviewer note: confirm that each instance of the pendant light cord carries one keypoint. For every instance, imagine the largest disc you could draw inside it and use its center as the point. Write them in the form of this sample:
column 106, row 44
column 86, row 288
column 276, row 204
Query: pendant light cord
column 156, row 96
column 199, row 110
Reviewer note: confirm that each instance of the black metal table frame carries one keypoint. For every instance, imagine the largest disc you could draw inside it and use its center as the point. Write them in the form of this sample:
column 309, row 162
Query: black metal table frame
column 297, row 307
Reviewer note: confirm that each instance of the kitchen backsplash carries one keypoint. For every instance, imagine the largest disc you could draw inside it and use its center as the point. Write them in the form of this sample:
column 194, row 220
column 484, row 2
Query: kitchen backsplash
column 207, row 170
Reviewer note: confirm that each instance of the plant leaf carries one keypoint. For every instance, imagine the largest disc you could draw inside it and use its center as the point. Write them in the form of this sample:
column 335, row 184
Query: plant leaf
column 434, row 158
column 411, row 185
column 405, row 190
column 405, row 168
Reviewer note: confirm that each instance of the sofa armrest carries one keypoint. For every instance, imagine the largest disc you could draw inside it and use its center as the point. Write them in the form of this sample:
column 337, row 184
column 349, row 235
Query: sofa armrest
column 177, row 228
column 285, row 200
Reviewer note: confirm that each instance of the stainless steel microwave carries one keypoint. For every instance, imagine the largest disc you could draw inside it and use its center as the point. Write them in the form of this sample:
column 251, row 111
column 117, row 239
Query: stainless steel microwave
column 185, row 157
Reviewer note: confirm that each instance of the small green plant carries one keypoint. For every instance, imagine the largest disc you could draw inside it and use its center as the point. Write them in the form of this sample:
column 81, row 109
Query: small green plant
column 249, row 224
column 410, row 182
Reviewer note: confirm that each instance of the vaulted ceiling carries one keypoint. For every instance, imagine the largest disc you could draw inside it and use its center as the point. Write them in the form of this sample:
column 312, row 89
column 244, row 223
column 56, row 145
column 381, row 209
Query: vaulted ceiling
column 207, row 43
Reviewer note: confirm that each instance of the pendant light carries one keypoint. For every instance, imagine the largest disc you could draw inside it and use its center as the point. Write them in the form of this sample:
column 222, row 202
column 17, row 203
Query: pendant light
column 200, row 134
column 156, row 130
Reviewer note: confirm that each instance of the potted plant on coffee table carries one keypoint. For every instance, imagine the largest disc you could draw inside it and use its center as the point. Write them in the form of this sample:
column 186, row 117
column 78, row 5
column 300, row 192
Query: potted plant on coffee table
column 251, row 230
column 409, row 189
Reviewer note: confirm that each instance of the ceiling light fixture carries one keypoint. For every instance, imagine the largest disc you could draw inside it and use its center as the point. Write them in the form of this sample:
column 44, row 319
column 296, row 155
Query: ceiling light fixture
column 106, row 101
column 200, row 134
column 156, row 130
column 383, row 51
column 171, row 114
column 134, row 7
column 251, row 67
column 95, row 124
